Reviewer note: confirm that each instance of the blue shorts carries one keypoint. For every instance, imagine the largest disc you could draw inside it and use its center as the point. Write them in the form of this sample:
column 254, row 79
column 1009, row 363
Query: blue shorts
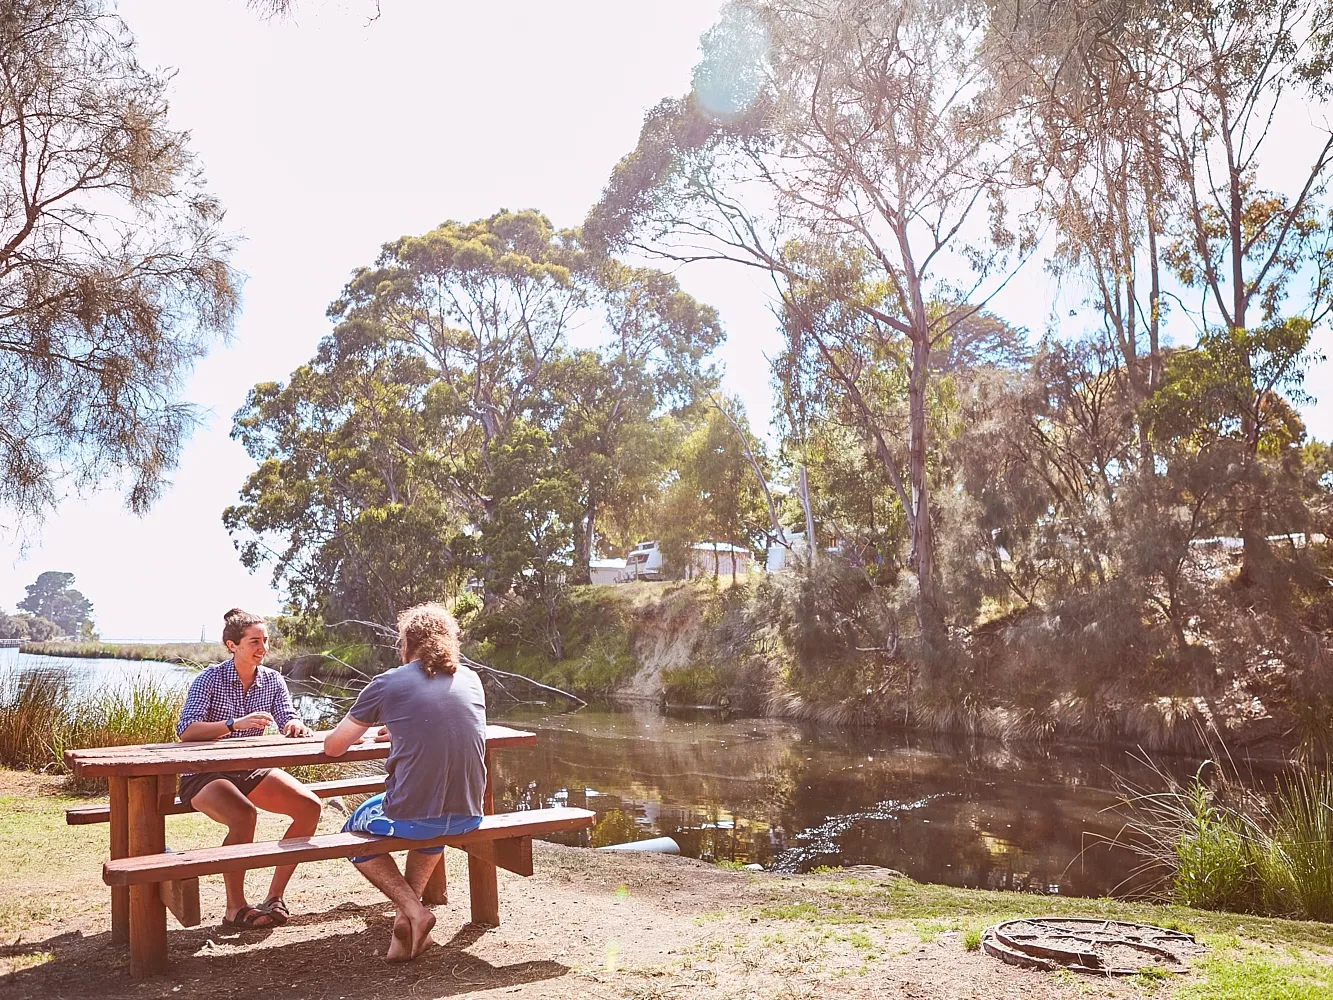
column 369, row 818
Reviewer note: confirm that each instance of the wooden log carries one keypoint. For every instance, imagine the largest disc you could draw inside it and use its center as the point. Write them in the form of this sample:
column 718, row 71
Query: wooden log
column 118, row 807
column 513, row 854
column 436, row 892
column 181, row 897
column 148, row 916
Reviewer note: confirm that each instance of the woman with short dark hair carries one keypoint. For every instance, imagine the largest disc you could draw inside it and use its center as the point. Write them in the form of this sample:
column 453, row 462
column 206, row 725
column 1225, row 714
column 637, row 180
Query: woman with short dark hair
column 242, row 697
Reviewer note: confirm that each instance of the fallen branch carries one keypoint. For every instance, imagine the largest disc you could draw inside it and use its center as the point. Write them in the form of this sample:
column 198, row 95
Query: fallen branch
column 384, row 630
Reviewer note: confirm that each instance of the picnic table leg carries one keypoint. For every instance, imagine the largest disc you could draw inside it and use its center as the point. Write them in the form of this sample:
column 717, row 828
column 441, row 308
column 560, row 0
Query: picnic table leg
column 120, row 848
column 436, row 892
column 482, row 884
column 148, row 914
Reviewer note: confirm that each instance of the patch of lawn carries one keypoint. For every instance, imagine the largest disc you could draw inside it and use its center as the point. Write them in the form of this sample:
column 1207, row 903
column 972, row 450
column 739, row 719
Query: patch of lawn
column 1251, row 977
column 946, row 908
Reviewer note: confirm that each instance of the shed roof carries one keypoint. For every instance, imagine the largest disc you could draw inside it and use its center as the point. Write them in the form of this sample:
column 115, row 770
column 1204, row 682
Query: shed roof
column 720, row 547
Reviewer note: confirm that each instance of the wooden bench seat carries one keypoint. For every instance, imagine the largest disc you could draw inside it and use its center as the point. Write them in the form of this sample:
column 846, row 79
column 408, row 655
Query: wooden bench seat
column 503, row 840
column 371, row 784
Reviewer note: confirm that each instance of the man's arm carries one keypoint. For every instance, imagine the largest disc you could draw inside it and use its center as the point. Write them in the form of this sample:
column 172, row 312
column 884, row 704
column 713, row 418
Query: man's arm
column 344, row 735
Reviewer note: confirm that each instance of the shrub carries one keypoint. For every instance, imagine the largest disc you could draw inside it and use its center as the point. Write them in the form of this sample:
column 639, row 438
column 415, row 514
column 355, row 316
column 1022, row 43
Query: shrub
column 1220, row 846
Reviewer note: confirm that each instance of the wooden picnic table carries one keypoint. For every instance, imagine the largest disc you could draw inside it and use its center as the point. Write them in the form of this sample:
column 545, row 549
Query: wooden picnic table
column 142, row 782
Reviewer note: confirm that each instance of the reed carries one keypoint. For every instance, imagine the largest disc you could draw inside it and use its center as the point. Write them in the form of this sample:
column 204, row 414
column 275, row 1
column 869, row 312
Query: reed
column 1215, row 842
column 41, row 717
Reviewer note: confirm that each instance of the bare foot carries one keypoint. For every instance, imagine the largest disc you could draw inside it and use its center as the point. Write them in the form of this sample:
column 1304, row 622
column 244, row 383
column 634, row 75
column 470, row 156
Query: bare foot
column 400, row 945
column 421, row 932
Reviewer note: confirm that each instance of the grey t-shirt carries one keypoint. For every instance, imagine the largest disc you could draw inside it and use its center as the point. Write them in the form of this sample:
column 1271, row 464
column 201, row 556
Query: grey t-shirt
column 437, row 729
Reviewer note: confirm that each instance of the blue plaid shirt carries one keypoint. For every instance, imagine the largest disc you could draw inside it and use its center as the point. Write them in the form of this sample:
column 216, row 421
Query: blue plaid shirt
column 216, row 695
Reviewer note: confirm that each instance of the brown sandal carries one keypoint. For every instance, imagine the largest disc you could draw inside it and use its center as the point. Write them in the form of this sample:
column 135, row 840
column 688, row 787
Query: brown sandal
column 276, row 909
column 247, row 919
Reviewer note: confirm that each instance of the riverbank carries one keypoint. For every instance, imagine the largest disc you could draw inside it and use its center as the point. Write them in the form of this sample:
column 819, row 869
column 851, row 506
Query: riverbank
column 590, row 924
column 785, row 648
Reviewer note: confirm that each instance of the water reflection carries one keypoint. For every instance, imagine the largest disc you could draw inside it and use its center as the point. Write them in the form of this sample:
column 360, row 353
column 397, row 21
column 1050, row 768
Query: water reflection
column 791, row 798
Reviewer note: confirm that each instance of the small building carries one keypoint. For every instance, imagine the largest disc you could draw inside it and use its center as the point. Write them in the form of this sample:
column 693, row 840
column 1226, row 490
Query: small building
column 607, row 570
column 720, row 559
column 780, row 556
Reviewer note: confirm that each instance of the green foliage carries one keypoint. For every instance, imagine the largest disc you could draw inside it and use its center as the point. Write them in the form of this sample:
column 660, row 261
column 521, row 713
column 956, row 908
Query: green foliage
column 595, row 624
column 448, row 430
column 465, row 606
column 1216, row 865
column 115, row 273
column 54, row 598
column 23, row 626
column 716, row 494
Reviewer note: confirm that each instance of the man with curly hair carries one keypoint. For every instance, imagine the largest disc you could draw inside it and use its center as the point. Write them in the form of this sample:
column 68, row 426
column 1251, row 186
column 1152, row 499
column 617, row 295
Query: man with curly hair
column 435, row 716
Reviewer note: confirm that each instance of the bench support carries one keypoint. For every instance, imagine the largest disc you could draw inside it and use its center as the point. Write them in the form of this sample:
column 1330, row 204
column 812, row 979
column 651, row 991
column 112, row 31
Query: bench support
column 436, row 892
column 513, row 854
column 181, row 897
column 120, row 848
column 481, row 880
column 148, row 916
column 484, row 890
column 166, row 794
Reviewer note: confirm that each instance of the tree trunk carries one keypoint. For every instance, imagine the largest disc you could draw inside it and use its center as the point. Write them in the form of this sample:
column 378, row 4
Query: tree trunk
column 929, row 616
column 803, row 487
column 584, row 533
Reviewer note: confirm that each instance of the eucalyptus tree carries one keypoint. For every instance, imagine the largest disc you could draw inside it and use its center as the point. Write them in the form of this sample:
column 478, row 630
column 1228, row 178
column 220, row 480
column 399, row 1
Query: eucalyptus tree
column 346, row 504
column 616, row 410
column 1192, row 145
column 114, row 268
column 1261, row 258
column 863, row 155
column 448, row 426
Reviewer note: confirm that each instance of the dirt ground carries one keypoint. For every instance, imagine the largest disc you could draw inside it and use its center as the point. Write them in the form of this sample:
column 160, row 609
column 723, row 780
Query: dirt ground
column 588, row 924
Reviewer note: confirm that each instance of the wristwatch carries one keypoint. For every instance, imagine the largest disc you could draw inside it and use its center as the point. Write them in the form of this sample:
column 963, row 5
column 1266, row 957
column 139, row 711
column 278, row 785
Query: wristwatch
column 231, row 725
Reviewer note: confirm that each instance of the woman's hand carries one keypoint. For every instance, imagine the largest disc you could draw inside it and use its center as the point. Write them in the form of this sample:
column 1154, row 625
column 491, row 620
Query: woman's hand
column 255, row 720
column 382, row 734
column 296, row 729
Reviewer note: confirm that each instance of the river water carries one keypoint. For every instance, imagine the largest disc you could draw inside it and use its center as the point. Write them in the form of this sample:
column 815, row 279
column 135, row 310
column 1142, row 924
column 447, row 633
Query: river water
column 792, row 797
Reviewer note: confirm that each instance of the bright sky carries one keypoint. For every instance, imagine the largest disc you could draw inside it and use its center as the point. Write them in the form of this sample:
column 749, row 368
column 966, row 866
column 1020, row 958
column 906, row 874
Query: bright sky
column 325, row 138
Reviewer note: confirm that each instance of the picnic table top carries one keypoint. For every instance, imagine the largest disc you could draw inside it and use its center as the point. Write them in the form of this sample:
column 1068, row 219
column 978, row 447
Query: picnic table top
column 243, row 753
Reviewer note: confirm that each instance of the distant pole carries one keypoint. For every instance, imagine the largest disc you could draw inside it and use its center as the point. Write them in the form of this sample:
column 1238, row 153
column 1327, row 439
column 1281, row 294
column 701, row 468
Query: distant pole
column 201, row 633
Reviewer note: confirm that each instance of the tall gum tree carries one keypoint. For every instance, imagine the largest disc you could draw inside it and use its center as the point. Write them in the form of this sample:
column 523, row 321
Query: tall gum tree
column 873, row 128
column 1259, row 258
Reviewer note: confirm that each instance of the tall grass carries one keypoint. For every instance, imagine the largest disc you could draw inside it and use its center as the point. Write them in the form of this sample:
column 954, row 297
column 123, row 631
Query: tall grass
column 1216, row 842
column 42, row 716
